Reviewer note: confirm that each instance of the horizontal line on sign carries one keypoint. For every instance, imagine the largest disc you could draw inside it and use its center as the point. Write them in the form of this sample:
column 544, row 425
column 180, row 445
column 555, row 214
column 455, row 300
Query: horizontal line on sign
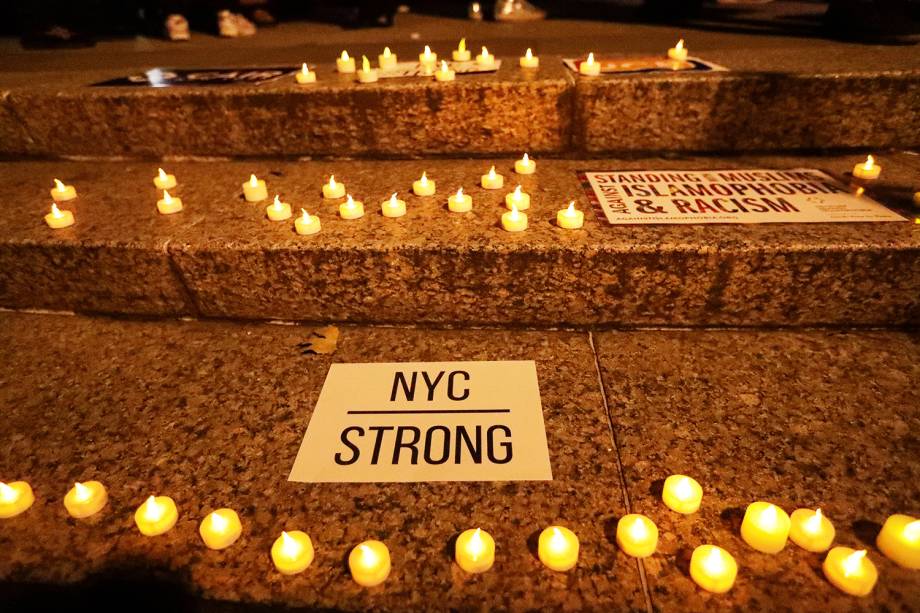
column 427, row 411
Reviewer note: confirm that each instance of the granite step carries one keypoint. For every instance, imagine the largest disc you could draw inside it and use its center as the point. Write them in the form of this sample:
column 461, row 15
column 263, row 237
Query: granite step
column 212, row 414
column 773, row 99
column 220, row 257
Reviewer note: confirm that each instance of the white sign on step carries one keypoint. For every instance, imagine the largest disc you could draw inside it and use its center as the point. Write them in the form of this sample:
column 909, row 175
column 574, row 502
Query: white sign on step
column 426, row 421
column 674, row 196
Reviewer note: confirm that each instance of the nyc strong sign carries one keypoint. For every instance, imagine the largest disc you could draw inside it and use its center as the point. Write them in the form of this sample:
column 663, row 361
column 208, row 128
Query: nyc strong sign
column 426, row 421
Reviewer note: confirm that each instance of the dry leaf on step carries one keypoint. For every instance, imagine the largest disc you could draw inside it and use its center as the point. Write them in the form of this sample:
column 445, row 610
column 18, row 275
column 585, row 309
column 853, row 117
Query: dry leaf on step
column 322, row 340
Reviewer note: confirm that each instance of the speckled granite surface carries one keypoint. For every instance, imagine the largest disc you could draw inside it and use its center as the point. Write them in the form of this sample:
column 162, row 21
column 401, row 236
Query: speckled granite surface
column 221, row 257
column 795, row 418
column 213, row 415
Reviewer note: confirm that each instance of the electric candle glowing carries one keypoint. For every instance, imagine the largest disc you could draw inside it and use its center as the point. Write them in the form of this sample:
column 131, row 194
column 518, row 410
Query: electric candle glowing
column 529, row 60
column 366, row 74
column 423, row 187
column 85, row 499
column 305, row 76
column 369, row 563
column 682, row 494
column 589, row 67
column 525, row 166
column 475, row 551
column 492, row 180
column 393, row 207
column 570, row 218
column 345, row 64
column 444, row 73
column 461, row 53
column 277, row 210
column 637, row 535
column 351, row 209
column 386, row 60
column 307, row 224
column 58, row 219
column 518, row 198
column 254, row 189
column 460, row 202
column 15, row 498
column 899, row 540
column 485, row 59
column 868, row 170
column 292, row 552
column 220, row 528
column 713, row 569
column 850, row 571
column 427, row 59
column 168, row 204
column 678, row 52
column 765, row 527
column 557, row 548
column 810, row 530
column 514, row 220
column 163, row 180
column 63, row 193
column 333, row 190
column 157, row 515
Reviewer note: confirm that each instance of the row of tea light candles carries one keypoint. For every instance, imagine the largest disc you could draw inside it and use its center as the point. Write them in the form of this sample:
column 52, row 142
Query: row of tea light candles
column 428, row 60
column 765, row 527
column 256, row 190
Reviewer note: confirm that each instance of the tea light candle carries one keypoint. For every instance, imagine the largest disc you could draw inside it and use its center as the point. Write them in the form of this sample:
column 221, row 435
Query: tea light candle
column 85, row 499
column 15, row 498
column 899, row 540
column 366, row 74
column 765, row 527
column 163, row 180
column 345, row 64
column 868, row 170
column 386, row 60
column 423, row 187
column 169, row 205
column 292, row 552
column 254, row 190
column 518, row 198
column 514, row 220
column 525, row 166
column 63, row 193
column 492, row 180
column 461, row 53
column 58, row 219
column 475, row 551
column 637, row 535
column 460, row 202
column 307, row 224
column 713, row 569
column 850, row 571
column 589, row 67
column 157, row 515
column 485, row 59
column 333, row 190
column 678, row 52
column 444, row 73
column 570, row 218
column 305, row 76
column 351, row 209
column 529, row 60
column 810, row 530
column 277, row 210
column 220, row 528
column 557, row 548
column 682, row 494
column 369, row 563
column 393, row 207
column 427, row 59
